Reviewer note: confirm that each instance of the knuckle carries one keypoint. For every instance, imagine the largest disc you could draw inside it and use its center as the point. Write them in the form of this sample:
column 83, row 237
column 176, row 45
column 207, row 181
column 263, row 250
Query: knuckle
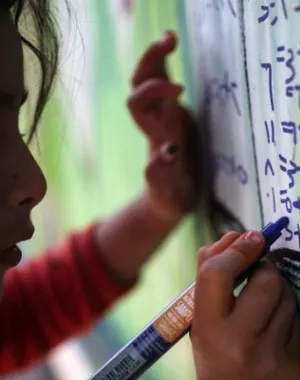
column 236, row 253
column 194, row 335
column 290, row 298
column 273, row 279
column 270, row 279
column 203, row 338
column 242, row 351
column 232, row 234
column 238, row 356
column 153, row 170
column 209, row 273
column 239, row 349
column 269, row 366
column 201, row 253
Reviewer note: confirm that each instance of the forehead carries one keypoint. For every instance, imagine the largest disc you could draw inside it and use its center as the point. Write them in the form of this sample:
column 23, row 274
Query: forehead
column 11, row 62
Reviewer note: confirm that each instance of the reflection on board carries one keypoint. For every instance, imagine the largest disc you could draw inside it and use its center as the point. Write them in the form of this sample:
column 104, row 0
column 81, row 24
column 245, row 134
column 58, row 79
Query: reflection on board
column 218, row 67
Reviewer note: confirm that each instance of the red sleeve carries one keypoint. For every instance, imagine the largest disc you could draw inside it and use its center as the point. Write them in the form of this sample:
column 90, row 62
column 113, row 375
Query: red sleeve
column 52, row 298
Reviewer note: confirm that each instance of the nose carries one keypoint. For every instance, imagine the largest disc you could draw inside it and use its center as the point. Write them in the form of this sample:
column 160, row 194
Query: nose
column 28, row 183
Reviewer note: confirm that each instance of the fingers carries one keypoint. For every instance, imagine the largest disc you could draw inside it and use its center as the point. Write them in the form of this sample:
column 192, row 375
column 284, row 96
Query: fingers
column 152, row 63
column 165, row 167
column 214, row 249
column 167, row 155
column 217, row 276
column 156, row 170
column 169, row 152
column 284, row 316
column 152, row 90
column 259, row 300
column 149, row 101
column 293, row 343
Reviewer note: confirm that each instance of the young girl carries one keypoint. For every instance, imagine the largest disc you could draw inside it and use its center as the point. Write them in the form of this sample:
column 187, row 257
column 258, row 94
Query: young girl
column 60, row 294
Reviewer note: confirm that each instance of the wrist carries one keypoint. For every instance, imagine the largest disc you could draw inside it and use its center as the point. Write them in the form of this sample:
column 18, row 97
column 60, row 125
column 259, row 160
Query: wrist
column 159, row 210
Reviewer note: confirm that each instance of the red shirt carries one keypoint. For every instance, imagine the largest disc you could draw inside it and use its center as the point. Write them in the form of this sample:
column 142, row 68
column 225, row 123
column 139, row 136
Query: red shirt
column 52, row 298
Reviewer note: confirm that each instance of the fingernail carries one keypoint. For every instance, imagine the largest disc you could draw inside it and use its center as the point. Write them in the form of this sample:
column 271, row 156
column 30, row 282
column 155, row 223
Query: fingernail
column 172, row 149
column 254, row 237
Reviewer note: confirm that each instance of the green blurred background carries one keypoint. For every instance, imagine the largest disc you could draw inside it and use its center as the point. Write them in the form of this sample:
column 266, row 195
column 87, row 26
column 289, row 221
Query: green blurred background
column 93, row 157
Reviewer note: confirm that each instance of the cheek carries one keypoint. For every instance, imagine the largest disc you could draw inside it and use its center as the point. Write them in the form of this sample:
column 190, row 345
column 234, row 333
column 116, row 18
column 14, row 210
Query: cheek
column 8, row 165
column 5, row 179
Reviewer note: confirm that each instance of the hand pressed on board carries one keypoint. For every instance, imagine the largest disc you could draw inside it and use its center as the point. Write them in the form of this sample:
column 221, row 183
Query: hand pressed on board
column 254, row 336
column 155, row 107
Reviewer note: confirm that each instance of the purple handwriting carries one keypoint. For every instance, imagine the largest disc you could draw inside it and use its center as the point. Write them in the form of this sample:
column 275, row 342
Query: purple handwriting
column 270, row 132
column 268, row 68
column 220, row 5
column 289, row 128
column 290, row 234
column 286, row 166
column 276, row 9
column 223, row 90
column 231, row 167
column 283, row 196
column 289, row 59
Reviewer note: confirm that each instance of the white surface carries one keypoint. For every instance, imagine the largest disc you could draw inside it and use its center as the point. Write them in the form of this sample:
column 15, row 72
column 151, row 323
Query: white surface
column 263, row 40
column 256, row 138
column 218, row 63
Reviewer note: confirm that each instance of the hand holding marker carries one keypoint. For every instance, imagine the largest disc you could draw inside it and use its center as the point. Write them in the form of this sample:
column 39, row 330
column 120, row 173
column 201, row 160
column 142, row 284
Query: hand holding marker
column 170, row 326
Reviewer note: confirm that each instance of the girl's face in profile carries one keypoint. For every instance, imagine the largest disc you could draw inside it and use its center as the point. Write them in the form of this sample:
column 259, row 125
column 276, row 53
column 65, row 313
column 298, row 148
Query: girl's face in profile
column 22, row 184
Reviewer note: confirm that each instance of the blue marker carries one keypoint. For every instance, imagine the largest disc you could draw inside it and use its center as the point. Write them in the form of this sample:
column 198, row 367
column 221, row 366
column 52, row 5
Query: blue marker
column 170, row 326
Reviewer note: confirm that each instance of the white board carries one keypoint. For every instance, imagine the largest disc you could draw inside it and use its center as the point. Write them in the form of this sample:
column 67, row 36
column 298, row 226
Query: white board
column 251, row 49
column 217, row 61
column 273, row 64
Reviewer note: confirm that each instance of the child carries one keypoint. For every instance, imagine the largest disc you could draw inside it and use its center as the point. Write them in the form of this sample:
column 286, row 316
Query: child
column 60, row 294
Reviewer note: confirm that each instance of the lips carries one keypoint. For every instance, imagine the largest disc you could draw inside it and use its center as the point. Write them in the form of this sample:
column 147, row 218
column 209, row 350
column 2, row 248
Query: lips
column 10, row 257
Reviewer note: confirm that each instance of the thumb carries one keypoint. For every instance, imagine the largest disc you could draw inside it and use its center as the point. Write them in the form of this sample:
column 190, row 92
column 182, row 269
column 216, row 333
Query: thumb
column 216, row 279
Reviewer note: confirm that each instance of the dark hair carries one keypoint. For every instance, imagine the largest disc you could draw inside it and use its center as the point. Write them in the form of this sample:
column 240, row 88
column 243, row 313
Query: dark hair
column 44, row 44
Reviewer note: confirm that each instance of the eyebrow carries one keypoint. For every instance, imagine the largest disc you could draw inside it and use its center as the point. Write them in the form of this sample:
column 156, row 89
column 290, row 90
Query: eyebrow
column 10, row 100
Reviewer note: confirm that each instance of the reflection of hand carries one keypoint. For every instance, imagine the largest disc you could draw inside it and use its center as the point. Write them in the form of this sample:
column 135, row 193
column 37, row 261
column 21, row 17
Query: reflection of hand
column 165, row 122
